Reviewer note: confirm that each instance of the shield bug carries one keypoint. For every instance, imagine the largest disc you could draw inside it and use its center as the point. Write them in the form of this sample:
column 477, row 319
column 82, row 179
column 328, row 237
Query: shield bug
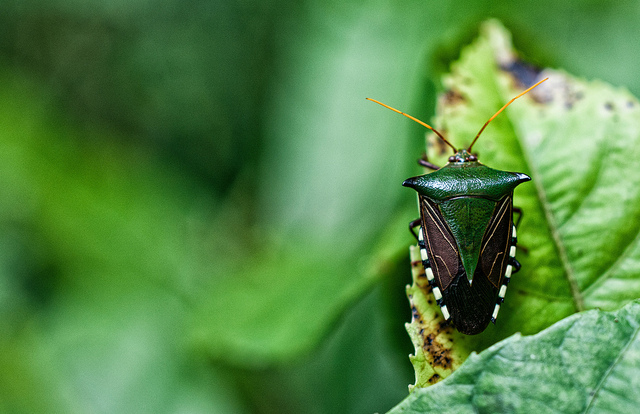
column 467, row 235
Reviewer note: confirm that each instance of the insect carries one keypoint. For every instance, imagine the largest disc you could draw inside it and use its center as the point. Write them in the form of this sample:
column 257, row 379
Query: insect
column 467, row 235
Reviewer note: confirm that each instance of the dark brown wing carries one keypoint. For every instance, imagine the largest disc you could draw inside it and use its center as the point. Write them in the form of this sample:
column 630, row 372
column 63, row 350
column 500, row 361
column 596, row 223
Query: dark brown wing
column 494, row 255
column 440, row 243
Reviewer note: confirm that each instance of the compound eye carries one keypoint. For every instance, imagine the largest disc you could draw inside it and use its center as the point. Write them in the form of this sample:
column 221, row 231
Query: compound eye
column 472, row 158
column 452, row 158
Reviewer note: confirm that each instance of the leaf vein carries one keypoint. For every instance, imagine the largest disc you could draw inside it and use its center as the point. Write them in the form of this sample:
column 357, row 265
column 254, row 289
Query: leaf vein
column 553, row 227
column 610, row 271
column 610, row 369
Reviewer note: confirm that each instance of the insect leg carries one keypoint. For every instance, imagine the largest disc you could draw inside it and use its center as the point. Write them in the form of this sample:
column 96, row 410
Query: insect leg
column 515, row 264
column 425, row 163
column 518, row 211
column 412, row 225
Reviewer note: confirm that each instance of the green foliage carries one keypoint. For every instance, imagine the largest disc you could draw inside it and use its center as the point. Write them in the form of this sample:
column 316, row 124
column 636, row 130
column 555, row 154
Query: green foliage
column 554, row 134
column 585, row 363
column 200, row 212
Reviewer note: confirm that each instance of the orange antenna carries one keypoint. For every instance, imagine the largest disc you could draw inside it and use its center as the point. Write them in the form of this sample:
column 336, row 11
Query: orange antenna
column 417, row 120
column 501, row 109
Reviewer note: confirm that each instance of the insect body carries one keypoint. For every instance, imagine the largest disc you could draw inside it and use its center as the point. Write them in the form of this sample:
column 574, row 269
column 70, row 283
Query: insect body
column 467, row 236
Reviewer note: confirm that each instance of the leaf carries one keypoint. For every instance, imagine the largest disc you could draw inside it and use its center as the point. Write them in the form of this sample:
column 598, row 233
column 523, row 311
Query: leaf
column 581, row 211
column 547, row 372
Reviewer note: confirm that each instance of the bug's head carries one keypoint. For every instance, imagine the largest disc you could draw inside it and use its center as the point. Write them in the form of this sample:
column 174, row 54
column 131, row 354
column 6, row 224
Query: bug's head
column 463, row 155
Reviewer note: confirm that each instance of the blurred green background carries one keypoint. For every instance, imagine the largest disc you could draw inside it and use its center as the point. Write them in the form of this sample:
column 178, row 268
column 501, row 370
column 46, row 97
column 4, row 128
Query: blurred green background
column 200, row 213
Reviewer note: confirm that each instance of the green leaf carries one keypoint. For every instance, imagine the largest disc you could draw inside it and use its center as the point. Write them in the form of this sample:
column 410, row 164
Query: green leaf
column 585, row 363
column 577, row 140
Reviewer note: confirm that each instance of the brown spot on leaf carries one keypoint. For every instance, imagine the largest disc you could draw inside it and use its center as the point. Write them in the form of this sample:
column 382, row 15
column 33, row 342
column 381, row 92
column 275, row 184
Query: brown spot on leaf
column 436, row 352
column 524, row 73
column 429, row 339
column 453, row 97
column 445, row 326
column 439, row 146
